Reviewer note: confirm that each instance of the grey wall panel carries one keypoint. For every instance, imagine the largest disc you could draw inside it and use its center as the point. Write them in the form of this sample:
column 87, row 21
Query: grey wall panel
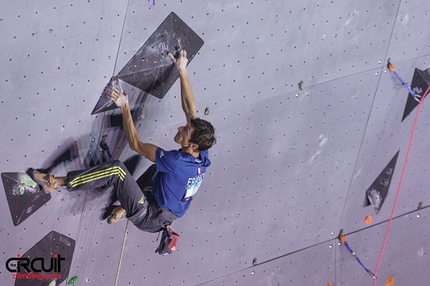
column 404, row 256
column 292, row 269
column 385, row 135
column 98, row 253
column 410, row 35
column 50, row 74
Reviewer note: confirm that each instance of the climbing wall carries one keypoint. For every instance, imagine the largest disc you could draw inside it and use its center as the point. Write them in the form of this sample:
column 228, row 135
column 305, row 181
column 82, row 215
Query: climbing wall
column 308, row 118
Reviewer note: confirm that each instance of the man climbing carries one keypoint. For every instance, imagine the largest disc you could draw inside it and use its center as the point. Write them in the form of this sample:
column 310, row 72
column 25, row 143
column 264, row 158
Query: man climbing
column 179, row 172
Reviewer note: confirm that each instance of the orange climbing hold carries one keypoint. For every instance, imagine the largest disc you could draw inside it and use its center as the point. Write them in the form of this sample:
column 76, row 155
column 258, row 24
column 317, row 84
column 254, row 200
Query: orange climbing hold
column 368, row 219
column 390, row 281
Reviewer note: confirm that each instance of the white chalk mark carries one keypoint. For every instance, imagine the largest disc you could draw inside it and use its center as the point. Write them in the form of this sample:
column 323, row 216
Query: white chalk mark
column 405, row 20
column 358, row 174
column 313, row 158
column 353, row 14
column 322, row 139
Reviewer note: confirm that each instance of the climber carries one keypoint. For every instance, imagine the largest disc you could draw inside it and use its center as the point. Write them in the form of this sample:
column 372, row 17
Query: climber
column 177, row 174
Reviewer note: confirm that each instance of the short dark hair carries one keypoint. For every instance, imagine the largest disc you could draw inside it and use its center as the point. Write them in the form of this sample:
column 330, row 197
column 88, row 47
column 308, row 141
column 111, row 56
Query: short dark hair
column 203, row 134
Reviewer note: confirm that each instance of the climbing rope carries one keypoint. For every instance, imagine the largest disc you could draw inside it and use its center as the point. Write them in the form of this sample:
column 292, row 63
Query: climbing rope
column 400, row 184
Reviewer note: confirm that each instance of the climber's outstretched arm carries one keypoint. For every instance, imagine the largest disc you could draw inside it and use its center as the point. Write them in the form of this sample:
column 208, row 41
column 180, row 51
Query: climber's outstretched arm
column 187, row 97
column 121, row 100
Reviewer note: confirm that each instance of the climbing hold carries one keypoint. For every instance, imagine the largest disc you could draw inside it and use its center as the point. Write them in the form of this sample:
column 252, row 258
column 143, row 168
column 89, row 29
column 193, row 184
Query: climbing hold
column 176, row 51
column 301, row 85
column 206, row 110
column 52, row 283
column 330, row 284
column 420, row 205
column 389, row 281
column 73, row 280
column 368, row 220
column 26, row 180
column 19, row 190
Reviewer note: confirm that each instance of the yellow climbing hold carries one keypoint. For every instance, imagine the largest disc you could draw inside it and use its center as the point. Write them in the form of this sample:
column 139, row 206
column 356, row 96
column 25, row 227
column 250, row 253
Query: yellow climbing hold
column 390, row 281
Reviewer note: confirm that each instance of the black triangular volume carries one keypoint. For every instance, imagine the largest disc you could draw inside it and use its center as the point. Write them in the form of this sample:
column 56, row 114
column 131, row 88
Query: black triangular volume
column 148, row 177
column 132, row 162
column 56, row 251
column 105, row 103
column 420, row 84
column 150, row 69
column 24, row 196
column 411, row 103
column 377, row 192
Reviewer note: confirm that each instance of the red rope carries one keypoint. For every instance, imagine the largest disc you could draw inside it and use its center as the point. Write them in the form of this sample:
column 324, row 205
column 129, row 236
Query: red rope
column 398, row 188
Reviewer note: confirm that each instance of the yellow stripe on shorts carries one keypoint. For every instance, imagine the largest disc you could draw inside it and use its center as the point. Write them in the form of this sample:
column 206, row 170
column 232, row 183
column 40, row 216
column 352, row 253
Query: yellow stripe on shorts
column 118, row 168
column 90, row 177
